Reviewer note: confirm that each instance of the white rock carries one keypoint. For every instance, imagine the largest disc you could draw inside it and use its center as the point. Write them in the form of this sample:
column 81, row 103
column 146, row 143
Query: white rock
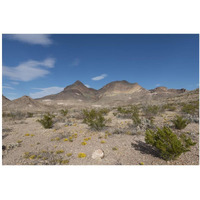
column 98, row 154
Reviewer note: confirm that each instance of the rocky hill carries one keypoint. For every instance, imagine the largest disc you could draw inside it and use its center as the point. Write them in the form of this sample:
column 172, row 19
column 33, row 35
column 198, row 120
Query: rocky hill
column 5, row 101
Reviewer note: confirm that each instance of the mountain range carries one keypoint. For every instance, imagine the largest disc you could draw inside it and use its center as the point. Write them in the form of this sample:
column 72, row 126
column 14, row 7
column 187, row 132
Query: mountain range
column 115, row 92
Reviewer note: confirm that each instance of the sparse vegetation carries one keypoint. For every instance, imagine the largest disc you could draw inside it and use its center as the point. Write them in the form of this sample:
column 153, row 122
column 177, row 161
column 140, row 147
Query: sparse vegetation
column 81, row 155
column 167, row 143
column 59, row 151
column 47, row 121
column 191, row 108
column 179, row 122
column 64, row 112
column 83, row 143
column 151, row 111
column 94, row 119
column 114, row 148
column 169, row 107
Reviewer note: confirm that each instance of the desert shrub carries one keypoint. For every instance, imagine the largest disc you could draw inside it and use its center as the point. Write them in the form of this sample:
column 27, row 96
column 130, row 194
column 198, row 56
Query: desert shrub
column 167, row 143
column 14, row 115
column 135, row 115
column 169, row 107
column 29, row 115
column 47, row 121
column 94, row 119
column 64, row 112
column 151, row 111
column 104, row 111
column 180, row 123
column 190, row 108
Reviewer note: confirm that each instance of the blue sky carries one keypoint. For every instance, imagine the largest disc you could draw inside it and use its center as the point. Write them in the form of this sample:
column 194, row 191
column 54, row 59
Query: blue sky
column 37, row 65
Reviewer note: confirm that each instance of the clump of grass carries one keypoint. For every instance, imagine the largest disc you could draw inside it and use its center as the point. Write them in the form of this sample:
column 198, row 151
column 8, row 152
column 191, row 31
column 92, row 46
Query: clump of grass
column 179, row 122
column 114, row 148
column 141, row 163
column 81, row 155
column 32, row 135
column 168, row 107
column 64, row 112
column 69, row 154
column 65, row 139
column 83, row 143
column 27, row 134
column 59, row 151
column 26, row 154
column 47, row 121
column 102, row 141
column 64, row 162
column 167, row 143
column 19, row 141
column 32, row 157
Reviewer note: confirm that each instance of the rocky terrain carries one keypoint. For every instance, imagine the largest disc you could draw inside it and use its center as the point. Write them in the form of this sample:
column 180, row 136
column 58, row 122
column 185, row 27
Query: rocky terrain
column 120, row 142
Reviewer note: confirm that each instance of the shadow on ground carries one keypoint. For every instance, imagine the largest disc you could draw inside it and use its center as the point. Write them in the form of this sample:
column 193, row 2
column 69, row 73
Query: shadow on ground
column 145, row 148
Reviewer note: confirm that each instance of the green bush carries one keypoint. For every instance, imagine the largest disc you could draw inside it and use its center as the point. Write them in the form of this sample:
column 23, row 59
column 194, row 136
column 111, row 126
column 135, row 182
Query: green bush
column 64, row 112
column 94, row 119
column 180, row 123
column 167, row 143
column 47, row 121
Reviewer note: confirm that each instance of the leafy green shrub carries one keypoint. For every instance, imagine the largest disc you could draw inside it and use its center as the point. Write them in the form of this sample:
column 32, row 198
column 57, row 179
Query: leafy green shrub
column 64, row 112
column 94, row 119
column 47, row 121
column 168, row 144
column 180, row 123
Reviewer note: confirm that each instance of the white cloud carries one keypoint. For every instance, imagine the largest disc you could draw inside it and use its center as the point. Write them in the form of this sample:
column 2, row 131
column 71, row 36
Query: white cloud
column 157, row 85
column 97, row 78
column 29, row 70
column 46, row 91
column 75, row 63
column 87, row 85
column 42, row 39
column 7, row 87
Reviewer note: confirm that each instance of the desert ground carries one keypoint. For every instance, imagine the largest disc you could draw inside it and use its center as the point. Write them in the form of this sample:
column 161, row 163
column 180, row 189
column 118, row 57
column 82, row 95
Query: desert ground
column 27, row 142
column 70, row 141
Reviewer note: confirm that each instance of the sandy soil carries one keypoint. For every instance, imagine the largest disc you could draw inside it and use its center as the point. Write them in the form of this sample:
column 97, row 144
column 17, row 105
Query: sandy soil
column 28, row 143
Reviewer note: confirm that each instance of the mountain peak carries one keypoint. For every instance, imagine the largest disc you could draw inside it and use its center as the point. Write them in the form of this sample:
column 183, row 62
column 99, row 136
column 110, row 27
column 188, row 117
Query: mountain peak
column 78, row 83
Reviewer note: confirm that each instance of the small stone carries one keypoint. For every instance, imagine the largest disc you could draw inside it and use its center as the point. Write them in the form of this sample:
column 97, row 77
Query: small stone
column 98, row 154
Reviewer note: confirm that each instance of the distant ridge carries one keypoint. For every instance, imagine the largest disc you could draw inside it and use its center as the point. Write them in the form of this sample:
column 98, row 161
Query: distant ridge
column 113, row 91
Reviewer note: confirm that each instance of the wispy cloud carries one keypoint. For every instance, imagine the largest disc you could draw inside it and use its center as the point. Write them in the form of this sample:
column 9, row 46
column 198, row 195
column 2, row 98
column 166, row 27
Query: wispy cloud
column 41, row 39
column 15, row 83
column 7, row 87
column 75, row 63
column 29, row 70
column 157, row 85
column 87, row 85
column 46, row 91
column 97, row 78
